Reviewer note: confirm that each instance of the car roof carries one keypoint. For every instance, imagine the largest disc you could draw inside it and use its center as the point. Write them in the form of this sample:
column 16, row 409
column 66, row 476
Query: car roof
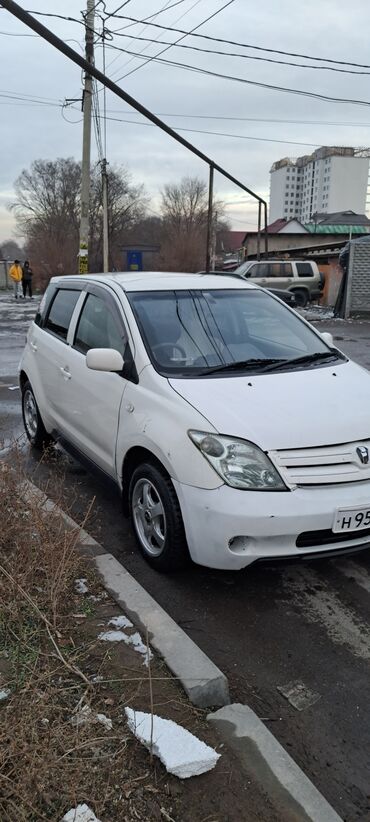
column 160, row 280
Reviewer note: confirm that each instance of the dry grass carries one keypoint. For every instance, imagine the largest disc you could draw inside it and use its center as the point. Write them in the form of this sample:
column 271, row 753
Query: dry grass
column 48, row 764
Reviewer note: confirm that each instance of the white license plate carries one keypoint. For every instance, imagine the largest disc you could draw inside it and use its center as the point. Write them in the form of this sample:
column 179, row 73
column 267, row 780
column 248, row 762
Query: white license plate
column 351, row 519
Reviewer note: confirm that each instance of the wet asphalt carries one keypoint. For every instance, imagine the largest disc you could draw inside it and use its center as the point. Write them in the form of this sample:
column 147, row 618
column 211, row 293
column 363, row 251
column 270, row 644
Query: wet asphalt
column 275, row 630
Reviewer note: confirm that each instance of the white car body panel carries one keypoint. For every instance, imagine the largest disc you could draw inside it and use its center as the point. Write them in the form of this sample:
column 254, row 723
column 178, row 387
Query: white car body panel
column 297, row 409
column 106, row 415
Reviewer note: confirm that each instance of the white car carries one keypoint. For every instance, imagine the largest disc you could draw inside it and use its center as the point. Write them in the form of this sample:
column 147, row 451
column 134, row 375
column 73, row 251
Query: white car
column 235, row 430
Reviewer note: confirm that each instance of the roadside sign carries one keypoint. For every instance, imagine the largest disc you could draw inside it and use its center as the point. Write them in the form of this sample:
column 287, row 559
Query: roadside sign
column 134, row 260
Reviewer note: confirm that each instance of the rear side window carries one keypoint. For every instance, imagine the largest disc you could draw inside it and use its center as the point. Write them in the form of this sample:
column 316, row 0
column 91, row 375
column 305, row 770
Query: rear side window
column 304, row 269
column 98, row 328
column 61, row 312
column 258, row 270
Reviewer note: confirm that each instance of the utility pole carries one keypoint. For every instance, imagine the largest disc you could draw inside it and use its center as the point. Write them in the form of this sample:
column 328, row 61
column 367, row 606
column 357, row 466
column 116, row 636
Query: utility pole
column 104, row 176
column 214, row 242
column 86, row 141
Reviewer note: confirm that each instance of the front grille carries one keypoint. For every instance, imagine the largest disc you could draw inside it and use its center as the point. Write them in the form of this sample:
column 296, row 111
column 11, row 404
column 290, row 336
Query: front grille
column 312, row 539
column 324, row 465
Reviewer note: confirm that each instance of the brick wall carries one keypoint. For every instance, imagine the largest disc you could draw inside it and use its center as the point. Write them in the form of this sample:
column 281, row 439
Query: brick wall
column 358, row 292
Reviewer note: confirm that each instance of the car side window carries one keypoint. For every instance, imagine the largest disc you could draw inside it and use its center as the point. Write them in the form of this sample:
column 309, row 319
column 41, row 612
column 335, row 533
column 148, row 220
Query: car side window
column 286, row 270
column 98, row 327
column 304, row 269
column 62, row 308
column 258, row 270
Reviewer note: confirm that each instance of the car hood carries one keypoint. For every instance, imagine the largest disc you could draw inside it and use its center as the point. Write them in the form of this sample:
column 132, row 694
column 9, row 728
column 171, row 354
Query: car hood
column 297, row 409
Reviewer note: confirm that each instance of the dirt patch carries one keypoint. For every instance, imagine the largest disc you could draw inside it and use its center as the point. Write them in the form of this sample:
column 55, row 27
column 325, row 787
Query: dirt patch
column 54, row 751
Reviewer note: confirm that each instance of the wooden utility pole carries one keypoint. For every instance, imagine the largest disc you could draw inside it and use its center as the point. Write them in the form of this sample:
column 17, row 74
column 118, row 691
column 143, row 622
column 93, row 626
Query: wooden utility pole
column 83, row 258
column 104, row 176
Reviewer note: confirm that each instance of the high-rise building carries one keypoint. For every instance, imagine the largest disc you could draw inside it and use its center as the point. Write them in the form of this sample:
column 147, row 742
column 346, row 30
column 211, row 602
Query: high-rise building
column 331, row 179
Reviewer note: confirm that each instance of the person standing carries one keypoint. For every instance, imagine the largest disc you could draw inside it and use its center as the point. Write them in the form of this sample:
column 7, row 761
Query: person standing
column 15, row 274
column 27, row 275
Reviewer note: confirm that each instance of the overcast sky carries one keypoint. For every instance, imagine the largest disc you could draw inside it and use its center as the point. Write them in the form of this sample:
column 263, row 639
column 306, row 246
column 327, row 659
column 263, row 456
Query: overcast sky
column 31, row 68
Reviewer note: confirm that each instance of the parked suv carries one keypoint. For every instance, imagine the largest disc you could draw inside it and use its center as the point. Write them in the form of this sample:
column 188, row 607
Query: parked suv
column 302, row 277
column 234, row 429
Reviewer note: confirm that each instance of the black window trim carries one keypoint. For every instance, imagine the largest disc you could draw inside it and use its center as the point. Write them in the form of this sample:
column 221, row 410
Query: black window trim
column 56, row 288
column 129, row 371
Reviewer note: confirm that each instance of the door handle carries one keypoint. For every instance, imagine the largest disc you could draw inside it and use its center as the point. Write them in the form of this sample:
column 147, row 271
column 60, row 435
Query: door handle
column 66, row 373
column 33, row 346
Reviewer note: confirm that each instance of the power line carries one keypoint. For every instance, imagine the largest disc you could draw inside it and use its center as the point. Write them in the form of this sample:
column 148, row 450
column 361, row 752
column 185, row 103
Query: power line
column 135, row 20
column 15, row 34
column 170, row 45
column 35, row 99
column 201, row 50
column 113, row 13
column 166, row 7
column 246, row 45
column 235, row 79
column 218, row 133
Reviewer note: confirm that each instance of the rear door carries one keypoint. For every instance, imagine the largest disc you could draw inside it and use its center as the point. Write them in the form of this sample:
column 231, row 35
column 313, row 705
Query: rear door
column 281, row 274
column 46, row 350
column 91, row 400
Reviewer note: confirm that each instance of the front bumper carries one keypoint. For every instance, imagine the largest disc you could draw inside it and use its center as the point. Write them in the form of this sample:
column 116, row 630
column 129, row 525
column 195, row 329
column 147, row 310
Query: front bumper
column 230, row 529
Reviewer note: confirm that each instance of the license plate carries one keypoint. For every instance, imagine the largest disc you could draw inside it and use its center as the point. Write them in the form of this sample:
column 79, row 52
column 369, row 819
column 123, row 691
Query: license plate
column 351, row 519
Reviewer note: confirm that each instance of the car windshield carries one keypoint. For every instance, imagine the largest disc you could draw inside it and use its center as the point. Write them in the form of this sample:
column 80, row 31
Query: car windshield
column 200, row 332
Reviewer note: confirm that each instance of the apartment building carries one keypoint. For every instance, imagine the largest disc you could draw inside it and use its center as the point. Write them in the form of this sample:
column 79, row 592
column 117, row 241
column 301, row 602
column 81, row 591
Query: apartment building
column 329, row 180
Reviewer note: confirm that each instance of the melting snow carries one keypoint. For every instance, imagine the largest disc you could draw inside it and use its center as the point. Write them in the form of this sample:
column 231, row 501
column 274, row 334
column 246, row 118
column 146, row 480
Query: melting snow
column 80, row 586
column 82, row 813
column 129, row 639
column 85, row 716
column 104, row 720
column 120, row 622
column 182, row 753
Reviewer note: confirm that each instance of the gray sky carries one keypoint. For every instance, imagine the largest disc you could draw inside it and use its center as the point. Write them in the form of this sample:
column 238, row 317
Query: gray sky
column 31, row 68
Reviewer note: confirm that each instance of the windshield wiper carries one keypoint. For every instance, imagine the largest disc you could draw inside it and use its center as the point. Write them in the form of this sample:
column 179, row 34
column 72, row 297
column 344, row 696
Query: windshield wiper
column 241, row 365
column 307, row 359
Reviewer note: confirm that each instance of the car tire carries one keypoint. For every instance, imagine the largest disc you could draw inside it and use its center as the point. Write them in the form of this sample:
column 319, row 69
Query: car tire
column 301, row 297
column 33, row 424
column 156, row 518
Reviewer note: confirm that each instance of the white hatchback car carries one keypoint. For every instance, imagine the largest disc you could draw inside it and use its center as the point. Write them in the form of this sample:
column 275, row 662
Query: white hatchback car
column 234, row 429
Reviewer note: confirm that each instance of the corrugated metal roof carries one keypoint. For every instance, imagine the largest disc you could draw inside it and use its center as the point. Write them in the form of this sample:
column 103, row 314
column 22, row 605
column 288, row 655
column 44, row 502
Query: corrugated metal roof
column 337, row 229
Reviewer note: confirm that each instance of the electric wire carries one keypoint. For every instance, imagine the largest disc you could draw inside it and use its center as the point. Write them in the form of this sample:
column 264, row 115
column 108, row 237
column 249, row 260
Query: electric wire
column 134, row 20
column 245, row 81
column 201, row 50
column 156, row 14
column 248, row 45
column 170, row 45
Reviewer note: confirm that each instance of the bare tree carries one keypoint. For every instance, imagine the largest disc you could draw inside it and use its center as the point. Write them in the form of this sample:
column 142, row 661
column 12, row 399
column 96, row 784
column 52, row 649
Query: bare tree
column 47, row 208
column 126, row 207
column 184, row 212
column 11, row 250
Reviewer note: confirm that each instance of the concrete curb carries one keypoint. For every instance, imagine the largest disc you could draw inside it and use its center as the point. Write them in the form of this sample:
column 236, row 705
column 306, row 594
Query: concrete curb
column 271, row 765
column 205, row 684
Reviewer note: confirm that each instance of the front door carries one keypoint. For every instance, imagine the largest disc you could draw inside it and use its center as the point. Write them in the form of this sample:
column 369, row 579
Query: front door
column 91, row 400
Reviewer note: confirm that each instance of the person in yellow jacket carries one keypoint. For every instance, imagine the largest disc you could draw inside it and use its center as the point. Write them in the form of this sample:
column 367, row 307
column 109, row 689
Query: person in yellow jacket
column 15, row 274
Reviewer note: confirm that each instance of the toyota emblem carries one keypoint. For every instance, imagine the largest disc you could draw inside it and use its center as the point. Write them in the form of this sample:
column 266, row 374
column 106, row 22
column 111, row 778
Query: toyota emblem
column 363, row 454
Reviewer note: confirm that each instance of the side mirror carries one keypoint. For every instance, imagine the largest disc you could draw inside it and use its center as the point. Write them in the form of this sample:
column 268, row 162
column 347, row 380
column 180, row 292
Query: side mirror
column 104, row 359
column 328, row 338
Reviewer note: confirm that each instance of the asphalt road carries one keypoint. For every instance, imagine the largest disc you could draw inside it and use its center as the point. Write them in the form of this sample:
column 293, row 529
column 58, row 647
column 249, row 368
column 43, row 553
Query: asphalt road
column 294, row 628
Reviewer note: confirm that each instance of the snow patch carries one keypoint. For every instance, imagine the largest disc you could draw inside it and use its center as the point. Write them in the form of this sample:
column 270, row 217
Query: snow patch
column 113, row 636
column 182, row 753
column 105, row 721
column 80, row 586
column 82, row 813
column 86, row 716
column 134, row 640
column 4, row 693
column 120, row 622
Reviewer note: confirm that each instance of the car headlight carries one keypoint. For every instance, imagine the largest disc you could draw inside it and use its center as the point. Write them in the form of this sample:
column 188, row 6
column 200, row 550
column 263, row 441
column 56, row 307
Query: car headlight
column 240, row 463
